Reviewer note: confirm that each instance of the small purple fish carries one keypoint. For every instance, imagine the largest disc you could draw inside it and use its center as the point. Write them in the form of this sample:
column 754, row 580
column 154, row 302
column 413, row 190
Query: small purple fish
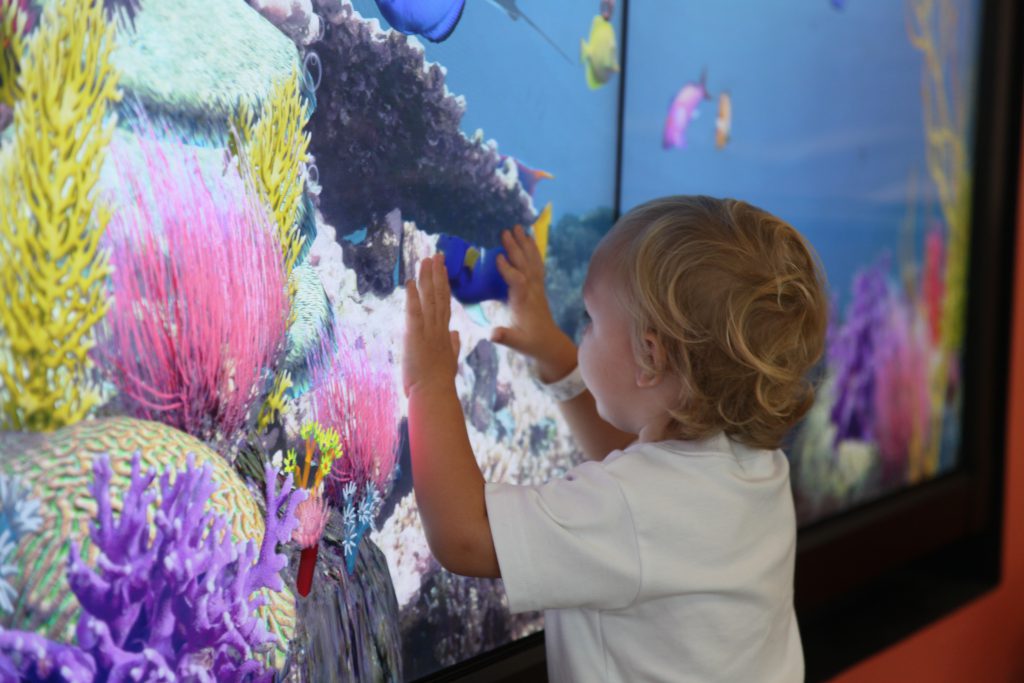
column 433, row 19
column 681, row 111
column 528, row 177
column 607, row 9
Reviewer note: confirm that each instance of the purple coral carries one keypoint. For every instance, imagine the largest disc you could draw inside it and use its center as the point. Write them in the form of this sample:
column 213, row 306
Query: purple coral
column 171, row 607
column 386, row 134
column 852, row 354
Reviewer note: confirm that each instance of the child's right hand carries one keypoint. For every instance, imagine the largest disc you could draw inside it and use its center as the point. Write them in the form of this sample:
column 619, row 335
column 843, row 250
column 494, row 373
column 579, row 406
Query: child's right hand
column 533, row 331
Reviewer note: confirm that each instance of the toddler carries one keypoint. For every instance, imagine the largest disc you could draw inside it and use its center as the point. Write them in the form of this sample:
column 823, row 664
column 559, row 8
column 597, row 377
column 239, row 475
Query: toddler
column 668, row 555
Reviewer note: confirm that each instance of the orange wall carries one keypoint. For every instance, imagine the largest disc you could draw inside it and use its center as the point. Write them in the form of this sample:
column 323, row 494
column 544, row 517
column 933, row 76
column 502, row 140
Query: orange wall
column 983, row 641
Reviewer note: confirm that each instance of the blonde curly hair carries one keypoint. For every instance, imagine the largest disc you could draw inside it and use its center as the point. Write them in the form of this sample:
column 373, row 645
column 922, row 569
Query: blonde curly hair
column 737, row 299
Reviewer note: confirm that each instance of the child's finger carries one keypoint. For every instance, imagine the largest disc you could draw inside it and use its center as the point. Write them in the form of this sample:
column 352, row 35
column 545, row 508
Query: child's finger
column 528, row 245
column 512, row 276
column 427, row 292
column 443, row 291
column 514, row 250
column 413, row 312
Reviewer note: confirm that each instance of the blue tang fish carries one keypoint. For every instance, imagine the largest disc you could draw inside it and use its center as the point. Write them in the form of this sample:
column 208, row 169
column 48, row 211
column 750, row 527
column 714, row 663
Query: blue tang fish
column 473, row 271
column 433, row 19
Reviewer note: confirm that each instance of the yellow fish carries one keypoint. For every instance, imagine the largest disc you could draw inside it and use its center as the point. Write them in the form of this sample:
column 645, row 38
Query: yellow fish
column 723, row 124
column 541, row 228
column 600, row 56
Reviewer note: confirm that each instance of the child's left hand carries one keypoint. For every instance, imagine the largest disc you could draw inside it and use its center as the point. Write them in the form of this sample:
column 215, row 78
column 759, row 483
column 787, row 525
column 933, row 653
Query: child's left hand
column 431, row 350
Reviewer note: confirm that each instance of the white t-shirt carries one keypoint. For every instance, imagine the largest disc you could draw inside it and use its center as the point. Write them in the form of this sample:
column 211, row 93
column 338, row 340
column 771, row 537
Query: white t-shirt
column 669, row 561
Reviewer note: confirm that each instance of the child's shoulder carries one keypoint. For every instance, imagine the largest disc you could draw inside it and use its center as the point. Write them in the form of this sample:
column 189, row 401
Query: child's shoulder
column 717, row 456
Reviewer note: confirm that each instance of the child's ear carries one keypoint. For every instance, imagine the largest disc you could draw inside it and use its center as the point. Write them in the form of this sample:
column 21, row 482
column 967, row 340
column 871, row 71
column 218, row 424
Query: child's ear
column 655, row 354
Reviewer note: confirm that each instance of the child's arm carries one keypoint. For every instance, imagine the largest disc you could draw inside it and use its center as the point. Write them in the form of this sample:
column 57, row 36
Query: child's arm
column 535, row 334
column 447, row 481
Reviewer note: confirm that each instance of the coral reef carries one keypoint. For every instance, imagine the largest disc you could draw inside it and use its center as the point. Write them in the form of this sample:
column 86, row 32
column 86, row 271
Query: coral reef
column 946, row 93
column 124, row 10
column 13, row 27
column 852, row 353
column 273, row 150
column 295, row 18
column 348, row 625
column 826, row 478
column 354, row 392
column 323, row 447
column 374, row 257
column 274, row 404
column 52, row 269
column 455, row 617
column 175, row 604
column 19, row 515
column 932, row 284
column 503, row 449
column 572, row 242
column 312, row 320
column 200, row 303
column 483, row 359
column 58, row 471
column 195, row 77
column 386, row 135
column 902, row 406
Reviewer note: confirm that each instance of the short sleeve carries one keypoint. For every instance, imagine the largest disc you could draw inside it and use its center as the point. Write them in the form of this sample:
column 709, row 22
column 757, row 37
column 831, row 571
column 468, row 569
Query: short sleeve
column 568, row 543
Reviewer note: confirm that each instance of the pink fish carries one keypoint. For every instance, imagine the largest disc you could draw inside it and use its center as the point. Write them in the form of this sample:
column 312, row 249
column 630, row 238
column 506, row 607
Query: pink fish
column 681, row 111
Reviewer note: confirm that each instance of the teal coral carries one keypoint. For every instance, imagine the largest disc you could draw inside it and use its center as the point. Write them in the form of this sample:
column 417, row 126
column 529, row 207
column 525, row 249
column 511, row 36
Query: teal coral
column 313, row 318
column 52, row 270
column 228, row 52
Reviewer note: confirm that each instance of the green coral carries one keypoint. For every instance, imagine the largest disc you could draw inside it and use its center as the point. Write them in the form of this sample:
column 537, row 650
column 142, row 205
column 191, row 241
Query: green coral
column 12, row 44
column 52, row 271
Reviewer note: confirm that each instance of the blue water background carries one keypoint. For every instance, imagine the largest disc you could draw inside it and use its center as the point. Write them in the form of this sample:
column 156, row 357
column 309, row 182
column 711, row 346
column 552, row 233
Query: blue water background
column 827, row 128
column 522, row 93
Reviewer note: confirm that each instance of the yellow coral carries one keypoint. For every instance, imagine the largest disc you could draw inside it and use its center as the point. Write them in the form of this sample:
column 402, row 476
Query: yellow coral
column 12, row 30
column 52, row 271
column 327, row 442
column 275, row 148
column 274, row 404
column 929, row 27
column 271, row 152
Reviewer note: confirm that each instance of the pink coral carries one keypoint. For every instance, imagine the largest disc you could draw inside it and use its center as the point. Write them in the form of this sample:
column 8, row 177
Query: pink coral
column 932, row 282
column 902, row 408
column 312, row 515
column 200, row 300
column 354, row 392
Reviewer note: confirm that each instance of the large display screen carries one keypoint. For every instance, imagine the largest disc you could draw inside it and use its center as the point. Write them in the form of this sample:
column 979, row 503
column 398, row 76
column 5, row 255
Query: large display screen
column 209, row 207
column 852, row 121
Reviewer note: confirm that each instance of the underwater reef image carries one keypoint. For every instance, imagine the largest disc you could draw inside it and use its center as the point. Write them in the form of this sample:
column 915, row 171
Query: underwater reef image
column 881, row 192
column 204, row 235
column 204, row 469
